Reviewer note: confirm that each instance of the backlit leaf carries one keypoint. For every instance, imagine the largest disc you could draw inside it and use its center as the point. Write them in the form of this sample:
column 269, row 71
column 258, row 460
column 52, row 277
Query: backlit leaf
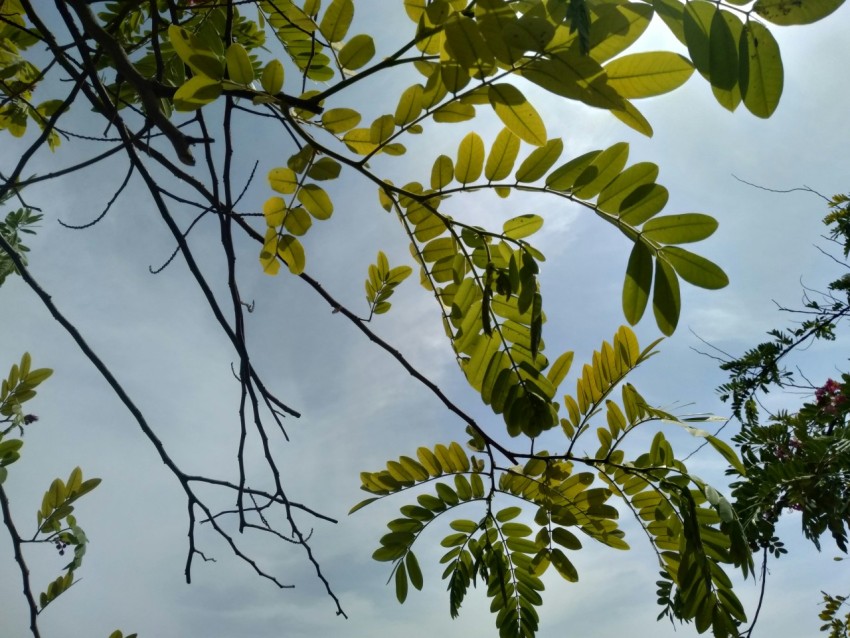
column 539, row 161
column 638, row 283
column 239, row 68
column 196, row 92
column 761, row 70
column 502, row 156
column 470, row 159
column 679, row 229
column 666, row 300
column 522, row 226
column 316, row 201
column 788, row 12
column 642, row 75
column 601, row 171
column 357, row 52
column 694, row 269
column 272, row 77
column 340, row 120
column 291, row 251
column 517, row 113
column 337, row 19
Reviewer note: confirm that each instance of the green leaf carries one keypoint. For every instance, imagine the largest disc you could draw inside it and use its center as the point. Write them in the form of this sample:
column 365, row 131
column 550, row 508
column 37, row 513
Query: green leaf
column 272, row 77
column 401, row 583
column 517, row 114
column 640, row 75
column 642, row 203
column 727, row 453
column 283, row 180
column 442, row 173
column 563, row 564
column 666, row 300
column 340, row 120
column 337, row 20
column 316, row 201
column 601, row 171
column 761, row 74
column 559, row 370
column 522, row 226
column 502, row 156
column 697, row 21
column 539, row 161
column 291, row 251
column 470, row 159
column 679, row 229
column 239, row 68
column 789, row 12
column 453, row 112
column 196, row 92
column 563, row 178
column 726, row 33
column 638, row 283
column 363, row 503
column 414, row 573
column 508, row 514
column 613, row 195
column 409, row 105
column 694, row 269
column 195, row 54
column 357, row 52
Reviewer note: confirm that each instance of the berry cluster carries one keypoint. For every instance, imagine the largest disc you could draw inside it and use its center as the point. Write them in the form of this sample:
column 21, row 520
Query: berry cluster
column 61, row 546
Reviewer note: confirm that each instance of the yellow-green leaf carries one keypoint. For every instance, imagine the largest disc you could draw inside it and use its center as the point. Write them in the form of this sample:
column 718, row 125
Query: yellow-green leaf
column 409, row 105
column 601, row 171
column 788, row 12
column 522, row 226
column 666, row 299
column 283, row 180
column 442, row 173
column 196, row 92
column 502, row 156
column 357, row 52
column 625, row 183
column 539, row 161
column 274, row 210
column 340, row 120
column 517, row 113
column 291, row 251
column 679, row 229
column 762, row 75
column 239, row 68
column 194, row 53
column 316, row 201
column 638, row 283
column 470, row 159
column 337, row 19
column 297, row 221
column 694, row 269
column 642, row 75
column 272, row 77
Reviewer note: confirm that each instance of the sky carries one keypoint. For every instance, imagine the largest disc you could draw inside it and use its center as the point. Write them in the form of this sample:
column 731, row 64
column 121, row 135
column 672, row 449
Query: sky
column 359, row 407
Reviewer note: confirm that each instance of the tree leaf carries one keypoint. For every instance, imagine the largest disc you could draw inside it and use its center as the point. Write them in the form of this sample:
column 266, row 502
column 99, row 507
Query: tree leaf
column 694, row 269
column 640, row 75
column 272, row 77
column 638, row 282
column 357, row 52
column 291, row 251
column 666, row 300
column 470, row 159
column 316, row 201
column 239, row 67
column 503, row 154
column 601, row 171
column 516, row 113
column 789, row 12
column 340, row 120
column 679, row 229
column 761, row 74
column 522, row 226
column 337, row 20
column 539, row 161
column 196, row 92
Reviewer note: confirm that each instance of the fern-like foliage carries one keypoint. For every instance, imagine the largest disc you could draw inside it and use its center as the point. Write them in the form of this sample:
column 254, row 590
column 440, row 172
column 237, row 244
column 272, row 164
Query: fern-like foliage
column 556, row 499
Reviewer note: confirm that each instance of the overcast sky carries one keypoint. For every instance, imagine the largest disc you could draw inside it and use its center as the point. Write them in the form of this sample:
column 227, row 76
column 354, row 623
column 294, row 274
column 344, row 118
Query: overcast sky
column 359, row 407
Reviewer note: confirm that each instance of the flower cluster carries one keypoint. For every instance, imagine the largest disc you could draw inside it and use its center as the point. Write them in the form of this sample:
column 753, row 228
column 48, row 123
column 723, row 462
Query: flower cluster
column 830, row 397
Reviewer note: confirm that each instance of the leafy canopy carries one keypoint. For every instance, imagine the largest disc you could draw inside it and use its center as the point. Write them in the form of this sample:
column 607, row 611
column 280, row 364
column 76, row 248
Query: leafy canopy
column 166, row 75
